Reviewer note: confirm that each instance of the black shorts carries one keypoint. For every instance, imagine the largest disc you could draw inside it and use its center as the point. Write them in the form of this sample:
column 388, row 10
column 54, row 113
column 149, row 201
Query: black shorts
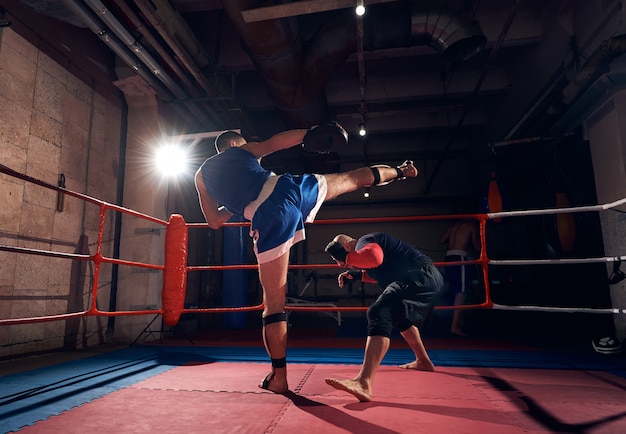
column 406, row 302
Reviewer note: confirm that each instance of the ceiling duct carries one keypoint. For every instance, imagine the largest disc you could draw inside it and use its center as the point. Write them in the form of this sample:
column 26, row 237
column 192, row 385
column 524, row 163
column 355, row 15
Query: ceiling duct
column 453, row 33
column 296, row 71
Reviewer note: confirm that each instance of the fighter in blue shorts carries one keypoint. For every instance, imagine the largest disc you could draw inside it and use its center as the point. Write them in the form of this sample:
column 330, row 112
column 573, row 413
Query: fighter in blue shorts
column 234, row 182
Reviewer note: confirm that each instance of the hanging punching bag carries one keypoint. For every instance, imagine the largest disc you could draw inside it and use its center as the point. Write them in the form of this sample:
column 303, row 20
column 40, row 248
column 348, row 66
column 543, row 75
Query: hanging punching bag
column 492, row 197
column 561, row 228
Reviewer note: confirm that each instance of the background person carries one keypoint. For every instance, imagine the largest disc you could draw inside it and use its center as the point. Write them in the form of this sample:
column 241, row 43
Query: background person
column 461, row 237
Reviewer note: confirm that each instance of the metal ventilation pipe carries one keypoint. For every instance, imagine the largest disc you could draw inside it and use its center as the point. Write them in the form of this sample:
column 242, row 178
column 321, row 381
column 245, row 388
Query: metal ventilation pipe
column 453, row 33
column 114, row 43
column 132, row 54
column 296, row 73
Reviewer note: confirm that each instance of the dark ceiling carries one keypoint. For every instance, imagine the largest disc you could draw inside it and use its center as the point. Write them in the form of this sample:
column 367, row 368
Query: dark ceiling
column 443, row 82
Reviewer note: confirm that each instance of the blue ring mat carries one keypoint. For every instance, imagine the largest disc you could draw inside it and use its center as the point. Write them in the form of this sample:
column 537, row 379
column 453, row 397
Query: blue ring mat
column 30, row 396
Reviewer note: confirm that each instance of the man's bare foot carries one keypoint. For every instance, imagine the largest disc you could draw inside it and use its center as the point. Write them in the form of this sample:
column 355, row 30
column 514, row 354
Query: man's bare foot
column 408, row 169
column 419, row 365
column 459, row 332
column 271, row 383
column 351, row 386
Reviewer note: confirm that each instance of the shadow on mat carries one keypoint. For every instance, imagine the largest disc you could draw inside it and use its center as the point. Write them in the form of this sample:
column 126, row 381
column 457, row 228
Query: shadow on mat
column 180, row 358
column 526, row 404
column 334, row 416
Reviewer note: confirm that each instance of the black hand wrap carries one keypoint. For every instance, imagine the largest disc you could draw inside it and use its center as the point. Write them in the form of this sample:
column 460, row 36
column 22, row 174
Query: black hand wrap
column 337, row 251
column 355, row 274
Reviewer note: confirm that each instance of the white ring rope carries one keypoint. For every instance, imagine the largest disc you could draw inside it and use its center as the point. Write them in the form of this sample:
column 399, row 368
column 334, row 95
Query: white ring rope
column 555, row 261
column 492, row 215
column 558, row 309
column 601, row 207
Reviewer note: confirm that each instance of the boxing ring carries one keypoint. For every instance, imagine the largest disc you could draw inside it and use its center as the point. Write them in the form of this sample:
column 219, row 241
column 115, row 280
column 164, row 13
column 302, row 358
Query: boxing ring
column 212, row 388
column 175, row 268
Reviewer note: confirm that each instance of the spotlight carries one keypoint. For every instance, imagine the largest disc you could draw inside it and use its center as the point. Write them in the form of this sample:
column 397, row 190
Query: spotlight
column 362, row 130
column 171, row 160
column 366, row 193
column 360, row 8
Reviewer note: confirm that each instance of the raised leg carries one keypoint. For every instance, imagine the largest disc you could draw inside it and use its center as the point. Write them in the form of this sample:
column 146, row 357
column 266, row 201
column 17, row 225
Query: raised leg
column 346, row 182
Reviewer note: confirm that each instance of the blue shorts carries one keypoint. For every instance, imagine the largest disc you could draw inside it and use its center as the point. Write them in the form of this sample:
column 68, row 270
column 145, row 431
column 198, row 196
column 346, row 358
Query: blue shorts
column 280, row 211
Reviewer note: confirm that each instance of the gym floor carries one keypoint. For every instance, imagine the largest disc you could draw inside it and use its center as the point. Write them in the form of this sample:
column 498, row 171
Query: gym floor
column 208, row 382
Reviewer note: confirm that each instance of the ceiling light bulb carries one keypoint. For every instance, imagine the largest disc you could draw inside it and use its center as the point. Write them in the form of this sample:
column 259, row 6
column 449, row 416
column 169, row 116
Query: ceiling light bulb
column 360, row 8
column 362, row 130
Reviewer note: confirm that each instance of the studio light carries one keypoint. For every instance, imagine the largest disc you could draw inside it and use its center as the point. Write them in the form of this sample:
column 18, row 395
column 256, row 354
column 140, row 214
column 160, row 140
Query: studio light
column 171, row 160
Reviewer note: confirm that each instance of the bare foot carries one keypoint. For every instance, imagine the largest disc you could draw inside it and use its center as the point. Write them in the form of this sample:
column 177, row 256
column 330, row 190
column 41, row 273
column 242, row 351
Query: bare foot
column 274, row 385
column 459, row 332
column 408, row 169
column 351, row 386
column 419, row 365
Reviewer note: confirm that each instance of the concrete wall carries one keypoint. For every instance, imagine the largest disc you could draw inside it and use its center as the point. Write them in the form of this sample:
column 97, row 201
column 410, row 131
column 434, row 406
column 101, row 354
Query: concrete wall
column 607, row 135
column 52, row 123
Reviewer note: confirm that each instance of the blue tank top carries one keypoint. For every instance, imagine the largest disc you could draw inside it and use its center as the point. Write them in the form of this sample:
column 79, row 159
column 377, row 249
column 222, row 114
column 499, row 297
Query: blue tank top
column 234, row 178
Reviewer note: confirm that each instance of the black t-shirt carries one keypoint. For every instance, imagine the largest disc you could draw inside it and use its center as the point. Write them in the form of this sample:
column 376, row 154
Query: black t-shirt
column 398, row 260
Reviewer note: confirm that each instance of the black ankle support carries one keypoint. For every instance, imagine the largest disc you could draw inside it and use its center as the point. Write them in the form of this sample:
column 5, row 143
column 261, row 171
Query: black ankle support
column 275, row 317
column 279, row 363
column 376, row 174
column 399, row 172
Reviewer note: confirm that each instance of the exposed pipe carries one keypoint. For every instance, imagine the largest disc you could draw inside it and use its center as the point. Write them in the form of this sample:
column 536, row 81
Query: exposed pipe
column 492, row 56
column 116, row 45
column 224, row 115
column 577, row 96
column 598, row 64
column 163, row 85
column 117, row 231
column 134, row 46
column 295, row 72
column 122, row 5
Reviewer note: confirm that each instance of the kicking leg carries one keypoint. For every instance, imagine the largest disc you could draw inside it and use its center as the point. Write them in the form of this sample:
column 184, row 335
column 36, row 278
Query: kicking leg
column 273, row 276
column 341, row 183
column 361, row 386
column 422, row 362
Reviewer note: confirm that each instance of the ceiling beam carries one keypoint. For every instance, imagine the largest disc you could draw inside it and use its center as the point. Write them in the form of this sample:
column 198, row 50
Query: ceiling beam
column 300, row 8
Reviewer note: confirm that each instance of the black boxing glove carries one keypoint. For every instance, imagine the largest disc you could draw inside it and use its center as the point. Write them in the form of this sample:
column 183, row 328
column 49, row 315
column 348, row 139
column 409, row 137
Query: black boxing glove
column 325, row 137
